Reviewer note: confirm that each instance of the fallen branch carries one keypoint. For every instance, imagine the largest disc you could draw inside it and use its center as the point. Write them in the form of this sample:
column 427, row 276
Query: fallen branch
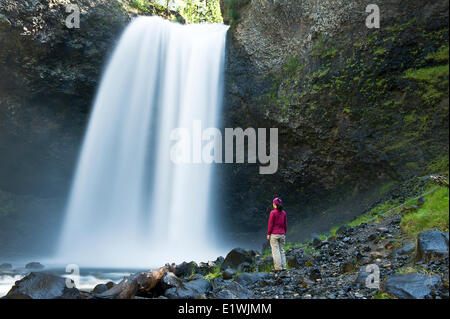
column 130, row 286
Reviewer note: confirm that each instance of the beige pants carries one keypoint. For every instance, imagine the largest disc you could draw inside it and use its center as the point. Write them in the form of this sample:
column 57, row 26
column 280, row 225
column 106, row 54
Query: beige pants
column 277, row 244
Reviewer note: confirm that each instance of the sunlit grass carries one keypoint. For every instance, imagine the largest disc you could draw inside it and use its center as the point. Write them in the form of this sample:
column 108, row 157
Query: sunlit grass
column 434, row 214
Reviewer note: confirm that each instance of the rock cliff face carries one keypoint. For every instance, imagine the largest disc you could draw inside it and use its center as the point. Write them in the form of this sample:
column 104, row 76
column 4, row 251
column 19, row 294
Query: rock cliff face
column 358, row 109
column 48, row 75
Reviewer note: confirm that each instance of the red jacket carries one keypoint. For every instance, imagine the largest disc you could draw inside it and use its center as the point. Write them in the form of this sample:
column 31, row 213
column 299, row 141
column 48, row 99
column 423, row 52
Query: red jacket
column 277, row 223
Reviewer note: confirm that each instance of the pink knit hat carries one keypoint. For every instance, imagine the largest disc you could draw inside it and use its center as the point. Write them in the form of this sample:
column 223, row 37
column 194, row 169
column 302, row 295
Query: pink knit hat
column 277, row 201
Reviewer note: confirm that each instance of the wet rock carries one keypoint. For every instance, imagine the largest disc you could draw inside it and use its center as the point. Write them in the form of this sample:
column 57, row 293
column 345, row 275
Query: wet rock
column 110, row 284
column 405, row 250
column 232, row 290
column 245, row 267
column 204, row 268
column 411, row 286
column 185, row 269
column 100, row 288
column 432, row 245
column 228, row 273
column 169, row 280
column 34, row 265
column 246, row 279
column 189, row 290
column 235, row 258
column 40, row 285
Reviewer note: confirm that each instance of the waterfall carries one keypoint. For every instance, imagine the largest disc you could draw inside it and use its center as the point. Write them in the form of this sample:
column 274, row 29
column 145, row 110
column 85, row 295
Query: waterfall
column 130, row 205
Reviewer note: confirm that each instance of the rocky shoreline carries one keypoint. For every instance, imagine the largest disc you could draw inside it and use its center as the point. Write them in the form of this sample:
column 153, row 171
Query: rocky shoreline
column 331, row 268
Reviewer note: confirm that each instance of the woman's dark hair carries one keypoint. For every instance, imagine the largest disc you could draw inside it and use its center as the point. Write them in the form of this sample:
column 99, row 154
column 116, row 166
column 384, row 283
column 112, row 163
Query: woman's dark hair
column 280, row 208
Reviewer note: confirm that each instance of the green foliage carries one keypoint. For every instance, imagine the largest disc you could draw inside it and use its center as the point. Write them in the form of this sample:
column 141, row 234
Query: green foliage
column 266, row 253
column 439, row 166
column 434, row 214
column 291, row 245
column 215, row 273
column 383, row 295
column 380, row 51
column 232, row 10
column 266, row 268
column 146, row 6
column 441, row 55
column 153, row 7
column 431, row 75
column 200, row 11
column 292, row 66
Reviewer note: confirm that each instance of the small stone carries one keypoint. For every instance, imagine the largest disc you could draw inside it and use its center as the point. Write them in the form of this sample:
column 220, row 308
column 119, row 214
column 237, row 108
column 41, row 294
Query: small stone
column 376, row 254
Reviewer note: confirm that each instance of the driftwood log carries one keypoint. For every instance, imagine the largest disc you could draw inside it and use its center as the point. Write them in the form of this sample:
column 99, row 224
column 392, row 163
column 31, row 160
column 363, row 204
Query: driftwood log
column 130, row 286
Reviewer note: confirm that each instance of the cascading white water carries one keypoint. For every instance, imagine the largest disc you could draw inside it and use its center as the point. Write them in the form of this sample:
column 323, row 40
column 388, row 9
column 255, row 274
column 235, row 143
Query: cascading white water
column 130, row 205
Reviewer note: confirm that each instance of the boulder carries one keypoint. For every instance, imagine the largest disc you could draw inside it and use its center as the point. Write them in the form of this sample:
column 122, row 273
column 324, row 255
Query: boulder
column 246, row 279
column 110, row 284
column 412, row 286
column 235, row 258
column 204, row 268
column 42, row 285
column 189, row 290
column 231, row 290
column 34, row 265
column 169, row 280
column 406, row 250
column 185, row 269
column 100, row 288
column 5, row 266
column 246, row 267
column 431, row 245
column 228, row 273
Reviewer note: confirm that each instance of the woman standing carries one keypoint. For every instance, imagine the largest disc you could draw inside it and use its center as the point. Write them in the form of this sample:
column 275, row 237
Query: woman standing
column 276, row 233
